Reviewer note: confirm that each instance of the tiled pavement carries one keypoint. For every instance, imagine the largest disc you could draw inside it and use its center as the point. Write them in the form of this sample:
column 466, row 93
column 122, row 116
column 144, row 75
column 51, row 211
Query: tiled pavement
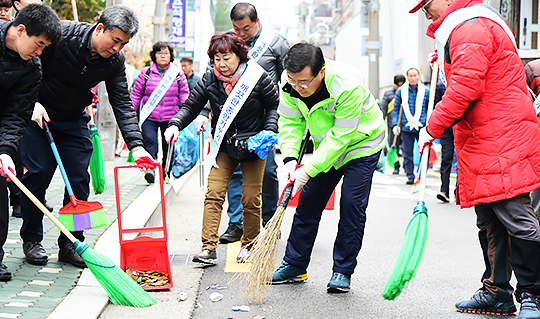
column 35, row 291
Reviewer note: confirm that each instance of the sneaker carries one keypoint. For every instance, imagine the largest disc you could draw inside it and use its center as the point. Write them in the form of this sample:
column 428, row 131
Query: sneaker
column 149, row 177
column 243, row 256
column 69, row 254
column 5, row 274
column 339, row 283
column 443, row 197
column 288, row 273
column 206, row 257
column 396, row 171
column 410, row 181
column 232, row 234
column 530, row 305
column 483, row 303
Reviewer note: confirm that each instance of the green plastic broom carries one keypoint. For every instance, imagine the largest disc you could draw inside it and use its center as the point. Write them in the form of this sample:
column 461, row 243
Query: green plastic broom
column 121, row 289
column 97, row 171
column 391, row 157
column 412, row 248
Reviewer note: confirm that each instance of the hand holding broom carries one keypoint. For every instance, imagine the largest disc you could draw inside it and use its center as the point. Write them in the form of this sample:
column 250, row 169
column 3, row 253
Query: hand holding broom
column 121, row 289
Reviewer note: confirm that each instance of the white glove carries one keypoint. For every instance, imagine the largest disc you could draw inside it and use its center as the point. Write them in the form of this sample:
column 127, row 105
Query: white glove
column 433, row 57
column 300, row 178
column 40, row 114
column 290, row 166
column 200, row 121
column 171, row 133
column 144, row 160
column 424, row 139
column 6, row 163
column 396, row 130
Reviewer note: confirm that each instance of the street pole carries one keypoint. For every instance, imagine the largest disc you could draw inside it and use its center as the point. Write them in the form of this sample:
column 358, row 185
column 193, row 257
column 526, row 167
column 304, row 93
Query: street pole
column 374, row 46
column 158, row 20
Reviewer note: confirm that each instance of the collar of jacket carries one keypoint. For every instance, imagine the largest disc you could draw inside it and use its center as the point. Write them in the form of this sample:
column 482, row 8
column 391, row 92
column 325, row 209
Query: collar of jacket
column 3, row 32
column 455, row 5
column 87, row 35
column 251, row 42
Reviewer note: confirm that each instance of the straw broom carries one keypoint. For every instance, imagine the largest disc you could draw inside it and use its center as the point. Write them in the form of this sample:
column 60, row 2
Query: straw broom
column 121, row 289
column 412, row 248
column 264, row 251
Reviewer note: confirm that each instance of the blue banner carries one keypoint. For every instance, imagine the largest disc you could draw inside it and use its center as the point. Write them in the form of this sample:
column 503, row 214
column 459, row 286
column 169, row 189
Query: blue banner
column 178, row 34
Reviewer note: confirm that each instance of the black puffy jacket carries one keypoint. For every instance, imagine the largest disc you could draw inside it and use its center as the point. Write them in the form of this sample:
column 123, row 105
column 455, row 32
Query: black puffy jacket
column 19, row 88
column 258, row 113
column 70, row 72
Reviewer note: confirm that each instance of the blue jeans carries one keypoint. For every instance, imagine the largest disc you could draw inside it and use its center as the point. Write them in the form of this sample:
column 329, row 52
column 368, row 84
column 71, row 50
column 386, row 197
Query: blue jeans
column 270, row 192
column 407, row 143
column 357, row 178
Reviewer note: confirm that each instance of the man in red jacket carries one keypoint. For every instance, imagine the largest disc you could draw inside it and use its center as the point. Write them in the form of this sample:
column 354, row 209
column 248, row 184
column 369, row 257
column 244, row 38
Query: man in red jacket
column 497, row 144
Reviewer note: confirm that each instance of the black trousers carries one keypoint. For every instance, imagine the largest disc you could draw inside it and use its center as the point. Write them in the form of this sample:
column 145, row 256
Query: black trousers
column 447, row 154
column 74, row 145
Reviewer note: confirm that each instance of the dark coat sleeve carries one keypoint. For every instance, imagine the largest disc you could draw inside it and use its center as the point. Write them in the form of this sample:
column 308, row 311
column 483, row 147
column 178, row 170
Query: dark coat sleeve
column 193, row 106
column 270, row 101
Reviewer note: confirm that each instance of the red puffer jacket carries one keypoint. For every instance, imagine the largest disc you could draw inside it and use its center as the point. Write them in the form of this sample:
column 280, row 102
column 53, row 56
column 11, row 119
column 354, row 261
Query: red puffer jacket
column 497, row 139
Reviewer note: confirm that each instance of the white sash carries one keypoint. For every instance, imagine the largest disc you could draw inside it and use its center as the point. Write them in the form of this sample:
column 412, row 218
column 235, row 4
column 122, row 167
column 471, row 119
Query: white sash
column 230, row 109
column 457, row 17
column 158, row 93
column 262, row 43
column 413, row 121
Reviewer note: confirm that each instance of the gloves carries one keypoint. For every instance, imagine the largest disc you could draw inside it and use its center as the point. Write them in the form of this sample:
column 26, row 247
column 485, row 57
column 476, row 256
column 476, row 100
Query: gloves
column 300, row 178
column 424, row 139
column 433, row 57
column 171, row 133
column 396, row 130
column 200, row 121
column 144, row 160
column 40, row 114
column 6, row 164
column 290, row 166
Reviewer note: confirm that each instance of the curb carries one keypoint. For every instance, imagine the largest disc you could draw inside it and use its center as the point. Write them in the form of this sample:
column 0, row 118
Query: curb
column 88, row 291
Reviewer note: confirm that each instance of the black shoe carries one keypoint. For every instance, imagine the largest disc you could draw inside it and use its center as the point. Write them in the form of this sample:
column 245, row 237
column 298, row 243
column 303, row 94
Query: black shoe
column 232, row 234
column 410, row 181
column 396, row 171
column 68, row 254
column 16, row 211
column 49, row 207
column 5, row 274
column 149, row 177
column 206, row 257
column 443, row 197
column 35, row 253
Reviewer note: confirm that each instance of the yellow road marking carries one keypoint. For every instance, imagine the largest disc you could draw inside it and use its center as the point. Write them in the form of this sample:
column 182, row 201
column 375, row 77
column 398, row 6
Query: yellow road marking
column 232, row 266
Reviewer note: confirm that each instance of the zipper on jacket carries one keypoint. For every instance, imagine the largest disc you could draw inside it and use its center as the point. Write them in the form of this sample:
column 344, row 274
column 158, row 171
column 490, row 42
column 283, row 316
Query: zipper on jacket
column 83, row 70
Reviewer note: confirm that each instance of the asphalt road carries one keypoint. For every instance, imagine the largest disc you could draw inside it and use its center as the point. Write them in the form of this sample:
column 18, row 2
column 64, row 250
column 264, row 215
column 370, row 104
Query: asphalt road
column 450, row 269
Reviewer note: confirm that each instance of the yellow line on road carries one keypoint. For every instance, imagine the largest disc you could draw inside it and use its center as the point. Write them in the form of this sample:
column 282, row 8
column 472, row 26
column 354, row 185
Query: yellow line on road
column 232, row 266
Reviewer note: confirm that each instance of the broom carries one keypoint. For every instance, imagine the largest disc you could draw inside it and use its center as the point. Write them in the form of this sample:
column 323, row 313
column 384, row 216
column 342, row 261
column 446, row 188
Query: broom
column 391, row 157
column 264, row 252
column 97, row 171
column 413, row 244
column 76, row 215
column 121, row 289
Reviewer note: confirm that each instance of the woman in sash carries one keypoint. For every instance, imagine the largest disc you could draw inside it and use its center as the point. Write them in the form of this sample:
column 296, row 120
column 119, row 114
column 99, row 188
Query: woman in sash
column 249, row 104
column 157, row 92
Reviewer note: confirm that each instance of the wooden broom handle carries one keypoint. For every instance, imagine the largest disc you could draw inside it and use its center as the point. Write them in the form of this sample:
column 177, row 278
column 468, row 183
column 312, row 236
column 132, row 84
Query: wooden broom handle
column 42, row 207
column 398, row 124
column 425, row 153
column 74, row 7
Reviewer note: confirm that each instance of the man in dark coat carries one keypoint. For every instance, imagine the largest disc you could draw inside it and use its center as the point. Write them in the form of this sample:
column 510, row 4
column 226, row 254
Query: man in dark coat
column 86, row 55
column 388, row 96
column 20, row 75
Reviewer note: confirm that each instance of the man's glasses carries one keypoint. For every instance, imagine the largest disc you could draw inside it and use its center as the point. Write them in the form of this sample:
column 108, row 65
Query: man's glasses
column 5, row 10
column 424, row 6
column 302, row 85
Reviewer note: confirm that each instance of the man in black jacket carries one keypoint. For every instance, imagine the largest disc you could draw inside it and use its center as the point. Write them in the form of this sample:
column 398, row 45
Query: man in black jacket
column 20, row 75
column 86, row 55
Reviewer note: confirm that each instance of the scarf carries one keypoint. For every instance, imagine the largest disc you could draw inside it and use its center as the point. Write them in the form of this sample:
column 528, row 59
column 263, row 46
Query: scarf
column 413, row 122
column 230, row 81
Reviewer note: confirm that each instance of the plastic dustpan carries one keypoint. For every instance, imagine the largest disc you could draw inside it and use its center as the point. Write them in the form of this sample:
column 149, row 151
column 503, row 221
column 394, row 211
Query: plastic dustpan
column 144, row 253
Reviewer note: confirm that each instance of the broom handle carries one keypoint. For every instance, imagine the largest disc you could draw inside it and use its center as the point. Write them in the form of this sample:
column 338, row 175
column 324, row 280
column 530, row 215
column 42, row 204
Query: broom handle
column 287, row 192
column 41, row 207
column 425, row 153
column 59, row 161
column 398, row 124
column 74, row 7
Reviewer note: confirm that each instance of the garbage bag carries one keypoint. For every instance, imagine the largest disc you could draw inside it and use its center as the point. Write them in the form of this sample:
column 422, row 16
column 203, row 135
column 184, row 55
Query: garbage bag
column 186, row 152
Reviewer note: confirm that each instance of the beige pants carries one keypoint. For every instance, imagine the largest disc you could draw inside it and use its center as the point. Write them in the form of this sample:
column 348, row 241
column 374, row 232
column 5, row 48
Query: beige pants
column 218, row 182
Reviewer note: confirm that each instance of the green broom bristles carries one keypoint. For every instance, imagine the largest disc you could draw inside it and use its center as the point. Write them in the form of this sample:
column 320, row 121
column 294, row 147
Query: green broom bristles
column 130, row 158
column 97, row 170
column 84, row 221
column 121, row 289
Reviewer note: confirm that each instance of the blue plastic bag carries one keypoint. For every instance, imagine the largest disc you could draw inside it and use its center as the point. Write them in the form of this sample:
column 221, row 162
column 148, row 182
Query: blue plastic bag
column 262, row 142
column 186, row 153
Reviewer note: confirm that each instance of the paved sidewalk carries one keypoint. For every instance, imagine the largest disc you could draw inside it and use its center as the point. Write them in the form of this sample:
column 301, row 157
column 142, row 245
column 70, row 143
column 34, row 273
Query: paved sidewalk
column 35, row 291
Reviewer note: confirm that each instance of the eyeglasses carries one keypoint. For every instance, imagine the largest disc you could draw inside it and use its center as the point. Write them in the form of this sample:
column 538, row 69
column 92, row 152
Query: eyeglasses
column 302, row 85
column 424, row 6
column 163, row 53
column 5, row 10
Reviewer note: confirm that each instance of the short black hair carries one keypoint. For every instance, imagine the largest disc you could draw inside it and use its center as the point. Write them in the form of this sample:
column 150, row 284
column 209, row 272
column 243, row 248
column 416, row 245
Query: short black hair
column 301, row 55
column 241, row 10
column 187, row 59
column 400, row 78
column 40, row 19
column 158, row 46
column 412, row 69
column 6, row 3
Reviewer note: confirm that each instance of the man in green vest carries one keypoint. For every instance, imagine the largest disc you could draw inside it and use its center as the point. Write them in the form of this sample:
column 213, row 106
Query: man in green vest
column 347, row 127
